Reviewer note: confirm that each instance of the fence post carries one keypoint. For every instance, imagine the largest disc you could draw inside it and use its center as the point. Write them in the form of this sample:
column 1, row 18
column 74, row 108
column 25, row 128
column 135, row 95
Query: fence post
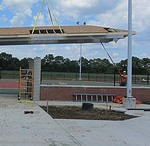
column 114, row 77
column 51, row 75
column 64, row 76
column 96, row 77
column 76, row 75
column 41, row 76
column 88, row 76
column 0, row 73
column 147, row 79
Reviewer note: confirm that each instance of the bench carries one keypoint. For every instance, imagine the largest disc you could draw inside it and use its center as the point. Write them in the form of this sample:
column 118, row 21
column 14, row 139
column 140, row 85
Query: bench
column 94, row 97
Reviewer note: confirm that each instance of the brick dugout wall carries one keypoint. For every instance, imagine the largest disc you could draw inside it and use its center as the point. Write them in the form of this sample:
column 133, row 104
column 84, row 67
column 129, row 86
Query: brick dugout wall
column 65, row 93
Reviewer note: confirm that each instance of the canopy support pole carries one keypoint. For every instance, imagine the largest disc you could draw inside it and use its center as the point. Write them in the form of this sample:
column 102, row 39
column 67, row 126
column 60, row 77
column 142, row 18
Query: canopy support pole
column 129, row 102
column 129, row 80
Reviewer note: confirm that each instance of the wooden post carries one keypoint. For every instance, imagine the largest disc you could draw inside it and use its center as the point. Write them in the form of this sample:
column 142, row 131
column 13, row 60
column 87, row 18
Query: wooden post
column 47, row 109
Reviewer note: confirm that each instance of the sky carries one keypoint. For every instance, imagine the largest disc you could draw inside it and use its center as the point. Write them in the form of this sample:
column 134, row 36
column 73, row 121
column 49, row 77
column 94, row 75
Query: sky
column 105, row 13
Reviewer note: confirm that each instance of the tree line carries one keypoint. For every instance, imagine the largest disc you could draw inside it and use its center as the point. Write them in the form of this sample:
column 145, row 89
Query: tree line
column 52, row 63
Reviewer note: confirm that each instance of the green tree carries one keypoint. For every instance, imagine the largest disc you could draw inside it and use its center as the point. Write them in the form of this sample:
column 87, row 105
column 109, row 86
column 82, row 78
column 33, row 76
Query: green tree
column 47, row 62
column 146, row 65
column 85, row 65
column 136, row 65
column 6, row 61
column 61, row 64
column 24, row 63
column 14, row 64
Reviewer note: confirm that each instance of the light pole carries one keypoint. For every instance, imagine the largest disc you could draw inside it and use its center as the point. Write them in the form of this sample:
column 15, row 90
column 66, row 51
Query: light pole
column 148, row 72
column 80, row 74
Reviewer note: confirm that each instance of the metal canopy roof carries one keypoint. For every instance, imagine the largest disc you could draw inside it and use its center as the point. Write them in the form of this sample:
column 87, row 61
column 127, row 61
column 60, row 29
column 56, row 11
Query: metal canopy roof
column 53, row 35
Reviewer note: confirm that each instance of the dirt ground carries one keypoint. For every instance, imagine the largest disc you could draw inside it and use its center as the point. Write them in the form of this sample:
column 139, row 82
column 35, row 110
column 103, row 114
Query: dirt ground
column 73, row 112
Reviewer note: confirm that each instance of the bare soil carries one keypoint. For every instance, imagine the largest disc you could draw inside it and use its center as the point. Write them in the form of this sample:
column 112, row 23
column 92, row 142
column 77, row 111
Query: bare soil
column 74, row 112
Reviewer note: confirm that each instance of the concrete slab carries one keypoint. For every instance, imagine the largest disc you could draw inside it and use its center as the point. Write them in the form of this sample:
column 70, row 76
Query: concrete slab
column 133, row 132
column 37, row 129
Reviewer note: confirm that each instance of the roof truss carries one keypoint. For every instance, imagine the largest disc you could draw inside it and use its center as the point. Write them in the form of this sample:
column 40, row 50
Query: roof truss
column 52, row 35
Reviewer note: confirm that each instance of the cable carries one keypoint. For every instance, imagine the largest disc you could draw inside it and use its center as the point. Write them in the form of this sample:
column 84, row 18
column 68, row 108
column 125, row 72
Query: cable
column 110, row 58
column 38, row 16
column 51, row 18
column 58, row 24
column 49, row 12
column 108, row 54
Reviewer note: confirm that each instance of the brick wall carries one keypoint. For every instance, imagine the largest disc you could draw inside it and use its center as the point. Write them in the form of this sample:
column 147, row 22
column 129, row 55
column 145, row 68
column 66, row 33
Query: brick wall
column 65, row 93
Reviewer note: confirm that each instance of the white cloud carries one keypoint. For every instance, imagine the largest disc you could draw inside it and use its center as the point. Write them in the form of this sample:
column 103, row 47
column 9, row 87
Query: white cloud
column 3, row 18
column 19, row 18
column 141, row 15
column 81, row 4
column 144, row 55
column 40, row 21
column 1, row 7
column 81, row 9
column 114, row 17
column 20, row 9
column 16, row 5
column 115, row 54
column 118, row 16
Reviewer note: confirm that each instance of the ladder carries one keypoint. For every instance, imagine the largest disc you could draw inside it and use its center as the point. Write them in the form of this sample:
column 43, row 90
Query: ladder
column 26, row 83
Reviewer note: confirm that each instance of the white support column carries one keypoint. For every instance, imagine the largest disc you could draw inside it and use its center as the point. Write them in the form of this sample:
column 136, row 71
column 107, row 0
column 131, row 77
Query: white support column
column 129, row 80
column 37, row 78
column 129, row 102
